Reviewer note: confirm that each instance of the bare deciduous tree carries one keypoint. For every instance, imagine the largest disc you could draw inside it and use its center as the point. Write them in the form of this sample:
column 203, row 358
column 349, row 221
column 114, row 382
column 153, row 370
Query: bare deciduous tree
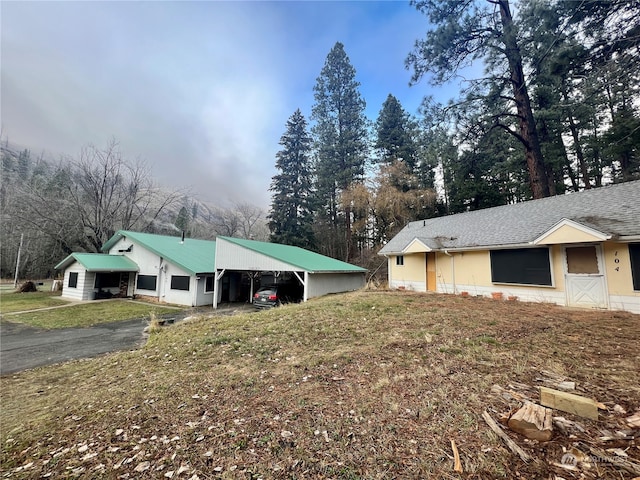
column 225, row 221
column 250, row 217
column 111, row 193
column 242, row 220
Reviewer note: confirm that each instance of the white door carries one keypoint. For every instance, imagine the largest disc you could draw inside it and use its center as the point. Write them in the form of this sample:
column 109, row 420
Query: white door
column 584, row 277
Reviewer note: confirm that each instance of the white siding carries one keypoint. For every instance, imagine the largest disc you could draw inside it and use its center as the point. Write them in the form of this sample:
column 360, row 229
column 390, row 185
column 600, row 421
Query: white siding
column 624, row 302
column 407, row 285
column 151, row 264
column 234, row 257
column 525, row 294
column 179, row 297
column 85, row 286
column 203, row 298
column 325, row 283
column 147, row 261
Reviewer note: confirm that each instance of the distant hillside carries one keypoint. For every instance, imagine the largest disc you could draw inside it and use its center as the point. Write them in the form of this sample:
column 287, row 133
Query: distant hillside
column 58, row 207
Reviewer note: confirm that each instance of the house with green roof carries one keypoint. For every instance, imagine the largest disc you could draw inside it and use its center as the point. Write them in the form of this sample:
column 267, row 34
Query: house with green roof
column 161, row 267
column 192, row 272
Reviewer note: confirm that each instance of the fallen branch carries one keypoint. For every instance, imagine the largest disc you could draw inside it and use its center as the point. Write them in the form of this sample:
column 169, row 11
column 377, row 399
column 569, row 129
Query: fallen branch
column 513, row 446
column 457, row 464
column 629, row 466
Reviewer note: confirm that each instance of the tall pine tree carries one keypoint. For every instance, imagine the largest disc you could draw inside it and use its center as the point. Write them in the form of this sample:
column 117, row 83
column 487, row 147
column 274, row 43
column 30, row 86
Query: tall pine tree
column 341, row 145
column 465, row 31
column 291, row 215
column 396, row 134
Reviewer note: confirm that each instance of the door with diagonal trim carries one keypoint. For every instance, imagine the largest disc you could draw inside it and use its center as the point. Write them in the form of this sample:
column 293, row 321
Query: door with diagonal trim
column 584, row 277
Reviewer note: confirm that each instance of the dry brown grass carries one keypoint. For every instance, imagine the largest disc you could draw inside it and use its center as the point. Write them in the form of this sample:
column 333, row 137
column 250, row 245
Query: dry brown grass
column 365, row 385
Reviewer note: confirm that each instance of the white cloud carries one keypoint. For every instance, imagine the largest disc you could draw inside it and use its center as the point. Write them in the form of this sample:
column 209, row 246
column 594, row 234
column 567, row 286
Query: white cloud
column 201, row 90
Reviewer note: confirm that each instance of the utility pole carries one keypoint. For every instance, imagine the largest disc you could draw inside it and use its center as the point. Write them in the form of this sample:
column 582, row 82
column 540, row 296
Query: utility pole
column 15, row 280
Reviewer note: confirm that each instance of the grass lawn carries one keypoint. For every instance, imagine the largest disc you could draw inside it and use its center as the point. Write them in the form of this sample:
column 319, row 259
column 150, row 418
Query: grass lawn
column 370, row 385
column 86, row 314
column 16, row 302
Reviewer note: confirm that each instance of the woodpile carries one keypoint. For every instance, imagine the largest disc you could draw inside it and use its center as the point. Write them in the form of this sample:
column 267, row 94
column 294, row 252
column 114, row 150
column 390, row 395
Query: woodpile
column 589, row 440
column 27, row 287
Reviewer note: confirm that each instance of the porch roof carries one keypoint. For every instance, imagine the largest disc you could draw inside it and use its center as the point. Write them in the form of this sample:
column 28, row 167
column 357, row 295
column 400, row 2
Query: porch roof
column 100, row 262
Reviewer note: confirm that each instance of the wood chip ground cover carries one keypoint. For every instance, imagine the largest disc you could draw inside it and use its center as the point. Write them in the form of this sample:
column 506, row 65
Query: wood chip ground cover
column 364, row 385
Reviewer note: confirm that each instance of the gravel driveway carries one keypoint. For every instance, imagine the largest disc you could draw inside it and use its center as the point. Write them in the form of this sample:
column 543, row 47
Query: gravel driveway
column 23, row 347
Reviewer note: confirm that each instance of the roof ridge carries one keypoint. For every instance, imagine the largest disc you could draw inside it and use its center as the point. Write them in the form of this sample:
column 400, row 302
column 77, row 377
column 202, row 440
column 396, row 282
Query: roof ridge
column 611, row 209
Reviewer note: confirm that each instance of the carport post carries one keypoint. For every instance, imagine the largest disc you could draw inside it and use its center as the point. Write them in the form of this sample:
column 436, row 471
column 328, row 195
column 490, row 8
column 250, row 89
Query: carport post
column 304, row 284
column 305, row 295
column 253, row 276
column 216, row 278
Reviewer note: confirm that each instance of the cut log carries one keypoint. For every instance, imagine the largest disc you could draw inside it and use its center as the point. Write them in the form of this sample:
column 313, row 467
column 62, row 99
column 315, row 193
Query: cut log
column 513, row 446
column 564, row 425
column 569, row 402
column 508, row 394
column 566, row 386
column 533, row 421
column 556, row 380
column 634, row 420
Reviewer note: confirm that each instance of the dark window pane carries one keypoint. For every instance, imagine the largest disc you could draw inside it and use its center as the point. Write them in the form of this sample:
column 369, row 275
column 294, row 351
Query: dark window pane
column 179, row 282
column 146, row 282
column 208, row 287
column 107, row 280
column 634, row 253
column 528, row 266
column 73, row 279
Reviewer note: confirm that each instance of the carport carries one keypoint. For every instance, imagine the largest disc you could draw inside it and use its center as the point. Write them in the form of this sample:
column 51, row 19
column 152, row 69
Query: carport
column 238, row 260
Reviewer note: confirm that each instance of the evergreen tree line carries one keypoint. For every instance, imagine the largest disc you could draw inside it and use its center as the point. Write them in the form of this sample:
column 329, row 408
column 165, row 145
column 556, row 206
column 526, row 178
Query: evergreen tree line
column 77, row 204
column 556, row 109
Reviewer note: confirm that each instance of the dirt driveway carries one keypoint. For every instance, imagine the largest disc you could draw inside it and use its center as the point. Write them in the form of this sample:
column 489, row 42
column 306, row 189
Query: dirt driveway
column 23, row 347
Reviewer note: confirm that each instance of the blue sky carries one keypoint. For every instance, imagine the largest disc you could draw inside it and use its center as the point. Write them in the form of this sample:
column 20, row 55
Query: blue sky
column 199, row 90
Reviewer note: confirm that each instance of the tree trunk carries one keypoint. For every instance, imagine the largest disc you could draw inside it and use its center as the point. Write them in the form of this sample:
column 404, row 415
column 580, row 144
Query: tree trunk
column 545, row 136
column 533, row 153
column 582, row 164
column 348, row 233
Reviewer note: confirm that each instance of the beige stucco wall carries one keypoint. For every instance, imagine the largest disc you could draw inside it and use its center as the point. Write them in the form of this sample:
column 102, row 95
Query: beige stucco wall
column 618, row 269
column 557, row 267
column 569, row 234
column 473, row 268
column 414, row 271
column 416, row 247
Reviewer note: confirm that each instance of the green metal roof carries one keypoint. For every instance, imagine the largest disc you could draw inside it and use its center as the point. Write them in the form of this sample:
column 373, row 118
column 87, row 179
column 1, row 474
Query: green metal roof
column 100, row 262
column 296, row 256
column 192, row 255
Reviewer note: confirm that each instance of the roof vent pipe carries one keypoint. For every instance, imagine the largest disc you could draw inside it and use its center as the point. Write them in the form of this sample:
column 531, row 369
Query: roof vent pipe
column 182, row 239
column 424, row 223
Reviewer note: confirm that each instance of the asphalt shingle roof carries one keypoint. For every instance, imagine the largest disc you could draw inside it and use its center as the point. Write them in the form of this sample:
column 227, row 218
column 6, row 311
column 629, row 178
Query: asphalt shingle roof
column 100, row 262
column 296, row 256
column 192, row 255
column 613, row 210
